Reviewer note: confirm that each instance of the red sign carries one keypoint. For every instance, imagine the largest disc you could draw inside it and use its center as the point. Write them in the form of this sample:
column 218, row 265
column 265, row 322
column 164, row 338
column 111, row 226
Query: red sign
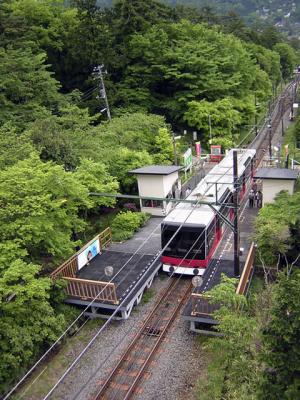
column 198, row 149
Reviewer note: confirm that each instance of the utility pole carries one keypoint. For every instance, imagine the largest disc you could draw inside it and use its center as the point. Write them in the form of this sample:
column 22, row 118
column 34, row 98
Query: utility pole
column 209, row 123
column 236, row 250
column 174, row 148
column 270, row 139
column 255, row 115
column 98, row 74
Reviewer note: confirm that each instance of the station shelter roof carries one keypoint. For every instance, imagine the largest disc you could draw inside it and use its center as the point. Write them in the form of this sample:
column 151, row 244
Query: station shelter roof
column 276, row 173
column 156, row 170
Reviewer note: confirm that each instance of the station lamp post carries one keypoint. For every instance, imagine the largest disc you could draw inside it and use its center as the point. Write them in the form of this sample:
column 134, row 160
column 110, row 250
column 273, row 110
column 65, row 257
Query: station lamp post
column 174, row 138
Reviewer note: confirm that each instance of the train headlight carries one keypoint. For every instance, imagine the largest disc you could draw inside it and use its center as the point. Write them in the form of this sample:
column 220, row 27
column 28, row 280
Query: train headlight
column 196, row 271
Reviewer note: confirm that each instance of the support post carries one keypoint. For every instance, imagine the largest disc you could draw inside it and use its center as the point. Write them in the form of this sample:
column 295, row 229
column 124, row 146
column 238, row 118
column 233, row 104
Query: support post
column 270, row 140
column 174, row 148
column 236, row 259
column 255, row 115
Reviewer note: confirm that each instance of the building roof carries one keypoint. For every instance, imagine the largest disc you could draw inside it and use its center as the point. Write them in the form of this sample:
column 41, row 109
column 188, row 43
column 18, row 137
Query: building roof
column 156, row 170
column 276, row 173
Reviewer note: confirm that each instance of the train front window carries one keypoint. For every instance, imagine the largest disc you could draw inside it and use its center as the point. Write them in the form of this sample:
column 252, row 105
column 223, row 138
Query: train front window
column 188, row 242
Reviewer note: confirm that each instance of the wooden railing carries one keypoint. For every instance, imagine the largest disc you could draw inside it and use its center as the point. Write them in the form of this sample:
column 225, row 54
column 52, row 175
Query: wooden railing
column 247, row 271
column 83, row 288
column 105, row 238
column 201, row 305
column 89, row 290
column 69, row 268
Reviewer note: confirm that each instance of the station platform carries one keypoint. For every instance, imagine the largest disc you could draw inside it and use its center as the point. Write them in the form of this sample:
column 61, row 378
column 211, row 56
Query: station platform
column 133, row 266
column 199, row 317
column 133, row 274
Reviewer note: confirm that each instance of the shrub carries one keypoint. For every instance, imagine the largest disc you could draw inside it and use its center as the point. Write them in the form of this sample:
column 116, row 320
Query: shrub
column 126, row 223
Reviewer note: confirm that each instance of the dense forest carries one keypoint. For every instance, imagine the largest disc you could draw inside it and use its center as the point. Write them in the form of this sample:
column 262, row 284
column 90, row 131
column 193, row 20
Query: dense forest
column 167, row 68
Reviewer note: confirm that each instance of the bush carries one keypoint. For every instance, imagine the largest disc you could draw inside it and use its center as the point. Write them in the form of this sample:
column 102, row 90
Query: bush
column 126, row 223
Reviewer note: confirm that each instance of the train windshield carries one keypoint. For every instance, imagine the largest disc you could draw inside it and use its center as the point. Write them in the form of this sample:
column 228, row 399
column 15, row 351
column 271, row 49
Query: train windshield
column 188, row 243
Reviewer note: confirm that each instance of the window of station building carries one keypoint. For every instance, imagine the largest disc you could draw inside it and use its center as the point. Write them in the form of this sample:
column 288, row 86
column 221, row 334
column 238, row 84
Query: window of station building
column 152, row 203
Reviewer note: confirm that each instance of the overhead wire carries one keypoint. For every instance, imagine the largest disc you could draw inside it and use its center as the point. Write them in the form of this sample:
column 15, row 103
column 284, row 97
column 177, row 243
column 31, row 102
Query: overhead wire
column 116, row 310
column 129, row 331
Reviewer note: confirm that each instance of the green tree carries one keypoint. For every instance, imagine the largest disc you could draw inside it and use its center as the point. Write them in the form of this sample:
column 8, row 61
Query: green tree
column 27, row 321
column 223, row 116
column 162, row 151
column 39, row 206
column 281, row 348
column 13, row 147
column 287, row 59
column 95, row 177
column 27, row 88
column 122, row 161
column 234, row 366
column 277, row 229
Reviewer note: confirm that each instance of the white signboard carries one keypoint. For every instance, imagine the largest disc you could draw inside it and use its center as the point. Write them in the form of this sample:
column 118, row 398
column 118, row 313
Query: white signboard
column 295, row 105
column 88, row 253
column 188, row 159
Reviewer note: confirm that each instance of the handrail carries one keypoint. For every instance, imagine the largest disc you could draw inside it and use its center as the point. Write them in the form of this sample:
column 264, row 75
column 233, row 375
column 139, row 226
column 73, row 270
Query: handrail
column 90, row 290
column 201, row 304
column 69, row 268
column 248, row 267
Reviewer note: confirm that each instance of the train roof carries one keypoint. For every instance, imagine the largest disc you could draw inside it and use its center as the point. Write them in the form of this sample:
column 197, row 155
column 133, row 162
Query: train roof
column 215, row 185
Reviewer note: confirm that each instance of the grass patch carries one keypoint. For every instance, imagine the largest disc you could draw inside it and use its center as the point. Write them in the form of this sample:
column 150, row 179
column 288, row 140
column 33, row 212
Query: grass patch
column 147, row 296
column 49, row 372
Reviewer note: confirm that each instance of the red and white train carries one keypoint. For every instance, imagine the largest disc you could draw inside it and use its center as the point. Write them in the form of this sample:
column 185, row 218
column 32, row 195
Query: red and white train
column 191, row 249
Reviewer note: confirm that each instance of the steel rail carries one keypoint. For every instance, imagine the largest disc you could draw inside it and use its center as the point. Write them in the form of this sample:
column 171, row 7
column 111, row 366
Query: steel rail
column 155, row 339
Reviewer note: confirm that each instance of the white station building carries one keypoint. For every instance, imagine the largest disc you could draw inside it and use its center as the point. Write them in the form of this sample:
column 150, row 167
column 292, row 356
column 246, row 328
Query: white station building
column 158, row 181
column 274, row 180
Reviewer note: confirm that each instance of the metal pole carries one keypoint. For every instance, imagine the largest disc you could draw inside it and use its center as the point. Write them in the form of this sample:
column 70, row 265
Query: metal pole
column 270, row 140
column 209, row 122
column 255, row 115
column 174, row 148
column 236, row 259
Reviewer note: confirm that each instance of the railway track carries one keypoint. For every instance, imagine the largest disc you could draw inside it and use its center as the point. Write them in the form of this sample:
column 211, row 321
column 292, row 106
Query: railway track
column 262, row 142
column 125, row 377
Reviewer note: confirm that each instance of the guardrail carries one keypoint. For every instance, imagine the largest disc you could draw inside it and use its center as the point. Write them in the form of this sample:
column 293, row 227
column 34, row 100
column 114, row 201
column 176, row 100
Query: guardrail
column 88, row 290
column 201, row 302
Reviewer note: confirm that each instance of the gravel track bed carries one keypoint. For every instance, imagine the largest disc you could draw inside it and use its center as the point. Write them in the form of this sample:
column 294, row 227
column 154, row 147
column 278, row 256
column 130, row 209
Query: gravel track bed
column 77, row 384
column 176, row 369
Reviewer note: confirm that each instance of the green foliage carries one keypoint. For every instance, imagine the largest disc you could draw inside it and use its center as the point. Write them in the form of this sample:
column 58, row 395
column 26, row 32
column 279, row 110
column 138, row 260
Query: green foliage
column 281, row 349
column 27, row 87
column 126, row 223
column 95, row 178
column 277, row 227
column 234, row 367
column 224, row 120
column 287, row 59
column 13, row 147
column 162, row 152
column 27, row 319
column 39, row 205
